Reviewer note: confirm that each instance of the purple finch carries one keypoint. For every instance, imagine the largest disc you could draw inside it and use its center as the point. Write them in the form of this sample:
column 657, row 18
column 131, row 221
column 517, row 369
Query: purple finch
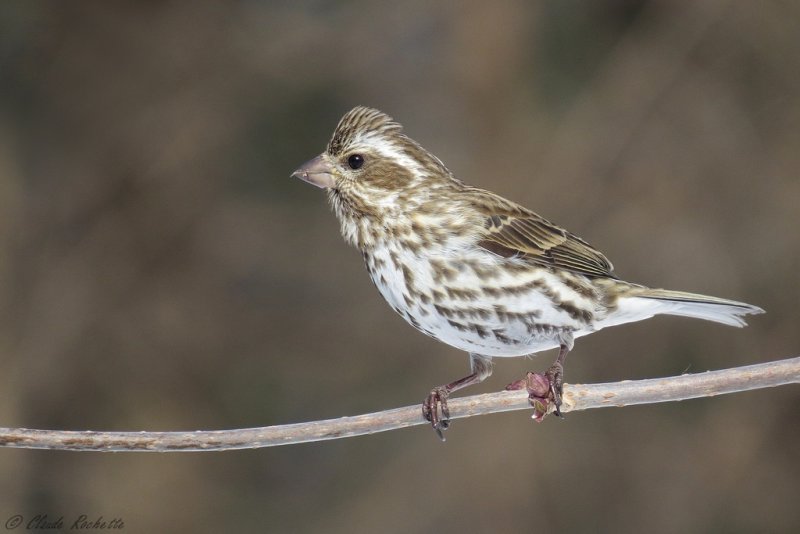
column 472, row 269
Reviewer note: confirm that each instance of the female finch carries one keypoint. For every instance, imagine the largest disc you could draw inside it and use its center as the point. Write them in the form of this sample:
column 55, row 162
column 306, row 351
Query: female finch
column 472, row 269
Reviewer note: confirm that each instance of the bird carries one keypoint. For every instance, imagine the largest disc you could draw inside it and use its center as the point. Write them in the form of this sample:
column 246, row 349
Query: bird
column 474, row 270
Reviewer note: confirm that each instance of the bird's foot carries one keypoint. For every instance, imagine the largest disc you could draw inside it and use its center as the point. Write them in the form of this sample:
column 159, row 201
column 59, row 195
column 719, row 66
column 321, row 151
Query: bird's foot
column 555, row 376
column 543, row 389
column 435, row 411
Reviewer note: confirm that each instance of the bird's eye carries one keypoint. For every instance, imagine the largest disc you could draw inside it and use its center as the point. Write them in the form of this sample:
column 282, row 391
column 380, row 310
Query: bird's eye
column 355, row 161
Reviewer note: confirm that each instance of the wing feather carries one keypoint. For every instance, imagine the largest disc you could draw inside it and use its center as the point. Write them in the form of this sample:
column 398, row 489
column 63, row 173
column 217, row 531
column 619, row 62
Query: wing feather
column 512, row 230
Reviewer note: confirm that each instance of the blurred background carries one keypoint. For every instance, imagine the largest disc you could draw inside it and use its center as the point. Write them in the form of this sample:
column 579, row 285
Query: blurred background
column 159, row 269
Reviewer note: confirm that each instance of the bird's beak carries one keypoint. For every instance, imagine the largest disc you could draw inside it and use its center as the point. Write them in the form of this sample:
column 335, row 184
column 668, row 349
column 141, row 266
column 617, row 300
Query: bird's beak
column 317, row 172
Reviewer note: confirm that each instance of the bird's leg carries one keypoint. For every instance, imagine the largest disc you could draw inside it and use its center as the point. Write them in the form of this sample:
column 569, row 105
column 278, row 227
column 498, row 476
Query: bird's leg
column 544, row 388
column 555, row 375
column 434, row 408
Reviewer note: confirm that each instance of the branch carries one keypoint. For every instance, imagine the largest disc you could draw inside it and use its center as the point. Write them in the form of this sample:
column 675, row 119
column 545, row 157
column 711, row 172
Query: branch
column 576, row 397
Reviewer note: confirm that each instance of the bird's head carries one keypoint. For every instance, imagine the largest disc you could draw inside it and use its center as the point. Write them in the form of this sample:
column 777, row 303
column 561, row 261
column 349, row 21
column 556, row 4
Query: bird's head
column 371, row 167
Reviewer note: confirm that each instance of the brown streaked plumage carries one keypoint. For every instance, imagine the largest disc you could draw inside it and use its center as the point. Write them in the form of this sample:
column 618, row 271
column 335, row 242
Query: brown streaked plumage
column 473, row 269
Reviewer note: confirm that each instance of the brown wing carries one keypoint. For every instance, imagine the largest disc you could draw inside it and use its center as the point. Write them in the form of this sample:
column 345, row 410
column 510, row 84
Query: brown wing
column 512, row 230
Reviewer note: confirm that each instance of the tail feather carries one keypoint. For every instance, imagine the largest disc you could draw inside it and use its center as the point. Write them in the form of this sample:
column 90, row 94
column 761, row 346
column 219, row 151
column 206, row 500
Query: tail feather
column 729, row 312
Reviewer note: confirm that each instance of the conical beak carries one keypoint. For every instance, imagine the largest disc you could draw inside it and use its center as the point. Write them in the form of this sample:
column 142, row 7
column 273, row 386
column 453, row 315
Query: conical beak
column 316, row 172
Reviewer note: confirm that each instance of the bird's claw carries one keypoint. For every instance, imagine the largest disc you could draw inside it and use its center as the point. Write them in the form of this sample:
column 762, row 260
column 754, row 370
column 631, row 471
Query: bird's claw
column 436, row 412
column 555, row 377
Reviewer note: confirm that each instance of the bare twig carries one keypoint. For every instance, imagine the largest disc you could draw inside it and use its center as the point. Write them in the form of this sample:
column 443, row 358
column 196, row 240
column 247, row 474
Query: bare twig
column 576, row 397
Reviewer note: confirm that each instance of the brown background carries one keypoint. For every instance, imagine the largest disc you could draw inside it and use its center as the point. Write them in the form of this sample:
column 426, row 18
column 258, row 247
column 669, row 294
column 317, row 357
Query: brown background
column 160, row 270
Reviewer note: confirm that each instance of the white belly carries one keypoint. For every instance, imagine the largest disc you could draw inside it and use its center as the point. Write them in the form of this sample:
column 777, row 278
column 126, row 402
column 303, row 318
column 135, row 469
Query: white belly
column 470, row 301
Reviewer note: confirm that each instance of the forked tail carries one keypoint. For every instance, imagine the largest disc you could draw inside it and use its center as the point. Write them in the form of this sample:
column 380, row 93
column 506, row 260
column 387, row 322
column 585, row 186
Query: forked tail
column 715, row 309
